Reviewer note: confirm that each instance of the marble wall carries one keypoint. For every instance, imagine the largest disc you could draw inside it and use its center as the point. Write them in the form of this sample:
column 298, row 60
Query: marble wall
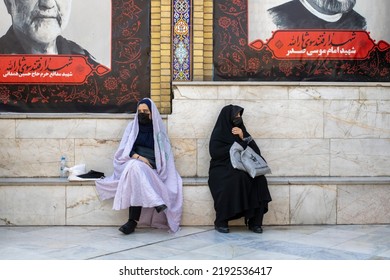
column 33, row 145
column 304, row 130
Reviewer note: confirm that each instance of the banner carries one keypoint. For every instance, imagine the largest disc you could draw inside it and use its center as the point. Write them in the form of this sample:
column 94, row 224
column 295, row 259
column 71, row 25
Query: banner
column 301, row 40
column 77, row 56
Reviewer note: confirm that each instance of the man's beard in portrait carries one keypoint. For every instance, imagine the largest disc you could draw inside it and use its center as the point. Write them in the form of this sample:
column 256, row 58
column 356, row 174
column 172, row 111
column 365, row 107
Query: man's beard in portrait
column 335, row 6
column 48, row 18
column 40, row 25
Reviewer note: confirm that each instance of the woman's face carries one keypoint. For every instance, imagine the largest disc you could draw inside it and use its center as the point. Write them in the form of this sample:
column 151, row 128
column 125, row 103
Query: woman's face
column 143, row 108
column 237, row 120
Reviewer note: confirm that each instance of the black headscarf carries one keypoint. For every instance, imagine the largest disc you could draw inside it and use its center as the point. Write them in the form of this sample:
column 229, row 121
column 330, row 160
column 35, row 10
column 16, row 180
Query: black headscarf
column 222, row 132
column 145, row 134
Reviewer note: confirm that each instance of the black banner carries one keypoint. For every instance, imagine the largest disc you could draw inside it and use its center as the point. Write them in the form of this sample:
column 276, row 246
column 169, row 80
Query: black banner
column 291, row 41
column 71, row 79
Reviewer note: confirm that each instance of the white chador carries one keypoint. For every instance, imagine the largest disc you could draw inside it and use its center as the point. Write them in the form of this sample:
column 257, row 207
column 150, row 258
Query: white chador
column 134, row 183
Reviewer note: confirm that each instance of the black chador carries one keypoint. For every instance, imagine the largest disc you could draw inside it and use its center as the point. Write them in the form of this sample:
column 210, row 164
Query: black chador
column 235, row 193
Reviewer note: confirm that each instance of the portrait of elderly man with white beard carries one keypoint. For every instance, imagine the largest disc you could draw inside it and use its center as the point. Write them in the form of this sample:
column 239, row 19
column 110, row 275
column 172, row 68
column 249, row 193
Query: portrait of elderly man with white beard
column 317, row 14
column 36, row 28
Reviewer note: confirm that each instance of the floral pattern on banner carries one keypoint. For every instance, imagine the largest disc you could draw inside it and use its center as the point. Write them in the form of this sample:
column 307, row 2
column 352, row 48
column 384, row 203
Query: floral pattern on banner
column 235, row 60
column 116, row 91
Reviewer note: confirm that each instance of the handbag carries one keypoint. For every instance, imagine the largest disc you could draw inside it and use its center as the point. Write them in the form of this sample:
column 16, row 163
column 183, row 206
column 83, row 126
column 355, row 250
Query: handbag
column 248, row 160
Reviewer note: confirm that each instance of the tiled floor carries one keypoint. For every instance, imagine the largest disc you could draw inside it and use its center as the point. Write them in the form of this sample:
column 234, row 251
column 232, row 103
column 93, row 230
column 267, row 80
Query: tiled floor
column 327, row 242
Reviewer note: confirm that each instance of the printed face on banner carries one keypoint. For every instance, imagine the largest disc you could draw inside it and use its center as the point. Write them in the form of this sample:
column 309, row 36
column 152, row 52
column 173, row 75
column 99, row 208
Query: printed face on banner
column 39, row 27
column 319, row 40
column 37, row 24
column 74, row 56
column 267, row 16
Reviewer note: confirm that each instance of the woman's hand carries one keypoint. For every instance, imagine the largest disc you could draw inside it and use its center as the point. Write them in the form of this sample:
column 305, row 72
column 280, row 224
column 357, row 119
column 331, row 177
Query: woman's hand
column 143, row 159
column 238, row 131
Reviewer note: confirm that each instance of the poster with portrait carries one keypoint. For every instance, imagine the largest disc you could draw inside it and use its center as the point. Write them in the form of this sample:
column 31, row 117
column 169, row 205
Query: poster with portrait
column 74, row 56
column 302, row 40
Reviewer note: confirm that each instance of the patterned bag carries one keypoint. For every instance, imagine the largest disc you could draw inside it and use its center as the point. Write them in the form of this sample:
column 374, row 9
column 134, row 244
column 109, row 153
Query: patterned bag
column 248, row 160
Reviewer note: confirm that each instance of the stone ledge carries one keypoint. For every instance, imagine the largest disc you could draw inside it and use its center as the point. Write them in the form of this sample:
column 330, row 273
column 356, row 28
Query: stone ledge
column 296, row 200
column 288, row 180
column 13, row 116
column 201, row 181
column 280, row 83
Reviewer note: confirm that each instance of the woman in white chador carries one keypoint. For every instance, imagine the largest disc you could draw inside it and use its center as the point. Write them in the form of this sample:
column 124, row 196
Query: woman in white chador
column 145, row 178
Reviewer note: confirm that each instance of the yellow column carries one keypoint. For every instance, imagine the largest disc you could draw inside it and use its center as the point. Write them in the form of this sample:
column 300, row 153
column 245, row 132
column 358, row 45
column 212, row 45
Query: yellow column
column 202, row 23
column 165, row 55
column 208, row 41
column 155, row 67
column 161, row 48
column 161, row 54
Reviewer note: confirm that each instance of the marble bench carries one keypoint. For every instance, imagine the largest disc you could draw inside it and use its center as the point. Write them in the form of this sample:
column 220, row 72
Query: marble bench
column 296, row 200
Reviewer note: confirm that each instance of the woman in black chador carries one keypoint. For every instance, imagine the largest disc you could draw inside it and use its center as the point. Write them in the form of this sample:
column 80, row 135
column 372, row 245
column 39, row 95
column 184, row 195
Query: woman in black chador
column 235, row 193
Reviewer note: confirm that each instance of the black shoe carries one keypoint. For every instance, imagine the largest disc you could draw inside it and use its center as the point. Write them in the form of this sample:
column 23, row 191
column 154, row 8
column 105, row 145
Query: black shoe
column 222, row 229
column 129, row 227
column 256, row 229
column 160, row 208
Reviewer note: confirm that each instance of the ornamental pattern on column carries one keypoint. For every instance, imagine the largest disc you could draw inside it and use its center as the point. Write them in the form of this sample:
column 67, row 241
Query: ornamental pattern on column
column 181, row 47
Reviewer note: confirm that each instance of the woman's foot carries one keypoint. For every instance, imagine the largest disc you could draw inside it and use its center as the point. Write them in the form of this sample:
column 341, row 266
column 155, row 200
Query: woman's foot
column 160, row 208
column 129, row 227
column 256, row 229
column 222, row 227
column 254, row 224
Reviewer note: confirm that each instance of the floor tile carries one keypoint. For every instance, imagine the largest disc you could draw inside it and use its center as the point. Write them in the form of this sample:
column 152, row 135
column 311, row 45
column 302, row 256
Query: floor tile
column 325, row 242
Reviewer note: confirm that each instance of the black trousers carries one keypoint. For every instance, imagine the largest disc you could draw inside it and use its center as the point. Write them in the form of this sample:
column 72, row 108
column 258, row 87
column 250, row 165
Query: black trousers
column 134, row 212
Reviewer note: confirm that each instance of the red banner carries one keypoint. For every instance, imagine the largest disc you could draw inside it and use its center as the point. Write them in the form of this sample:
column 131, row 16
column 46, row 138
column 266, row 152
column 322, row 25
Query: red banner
column 46, row 69
column 318, row 44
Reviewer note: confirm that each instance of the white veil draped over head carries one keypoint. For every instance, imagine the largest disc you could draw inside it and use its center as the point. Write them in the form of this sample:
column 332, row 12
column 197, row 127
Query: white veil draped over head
column 134, row 183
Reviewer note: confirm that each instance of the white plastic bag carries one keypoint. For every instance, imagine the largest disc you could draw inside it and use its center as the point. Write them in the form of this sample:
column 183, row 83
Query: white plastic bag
column 74, row 171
